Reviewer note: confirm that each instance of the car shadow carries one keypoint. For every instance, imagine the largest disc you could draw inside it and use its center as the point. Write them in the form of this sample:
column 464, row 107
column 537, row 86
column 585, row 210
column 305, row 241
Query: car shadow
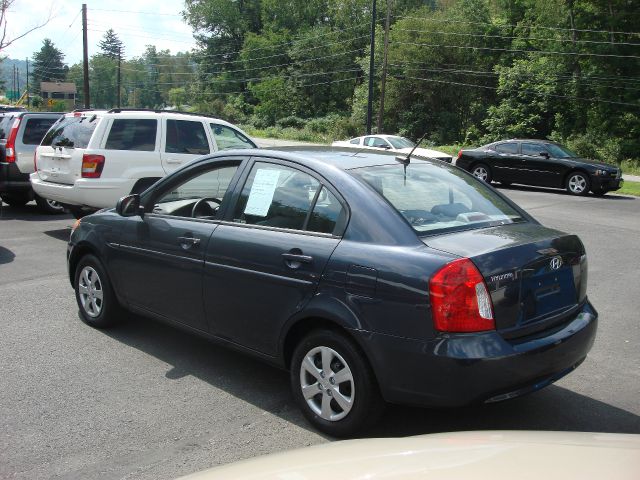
column 527, row 188
column 59, row 234
column 267, row 387
column 6, row 255
column 30, row 213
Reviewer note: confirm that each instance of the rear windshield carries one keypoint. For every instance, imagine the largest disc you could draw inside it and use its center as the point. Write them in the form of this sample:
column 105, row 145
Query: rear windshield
column 437, row 198
column 5, row 125
column 71, row 132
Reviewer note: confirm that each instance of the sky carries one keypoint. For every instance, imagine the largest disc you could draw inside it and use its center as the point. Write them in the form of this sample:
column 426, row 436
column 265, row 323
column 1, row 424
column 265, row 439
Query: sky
column 137, row 23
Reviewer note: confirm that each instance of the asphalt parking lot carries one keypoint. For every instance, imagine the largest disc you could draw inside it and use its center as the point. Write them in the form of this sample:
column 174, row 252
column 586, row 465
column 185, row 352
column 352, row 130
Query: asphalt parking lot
column 146, row 401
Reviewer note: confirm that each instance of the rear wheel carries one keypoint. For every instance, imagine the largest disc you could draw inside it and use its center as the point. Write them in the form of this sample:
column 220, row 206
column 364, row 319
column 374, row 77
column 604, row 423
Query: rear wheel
column 482, row 172
column 333, row 384
column 98, row 305
column 15, row 200
column 578, row 183
column 49, row 206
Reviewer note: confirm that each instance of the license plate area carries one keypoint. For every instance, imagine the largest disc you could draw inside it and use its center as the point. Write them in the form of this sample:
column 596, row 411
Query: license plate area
column 545, row 291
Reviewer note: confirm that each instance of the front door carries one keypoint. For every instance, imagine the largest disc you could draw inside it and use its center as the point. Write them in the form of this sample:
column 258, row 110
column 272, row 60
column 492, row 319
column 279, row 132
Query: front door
column 161, row 256
column 264, row 263
column 541, row 169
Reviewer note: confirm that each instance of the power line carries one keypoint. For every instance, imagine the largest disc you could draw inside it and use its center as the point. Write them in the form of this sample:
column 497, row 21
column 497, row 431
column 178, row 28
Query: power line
column 133, row 11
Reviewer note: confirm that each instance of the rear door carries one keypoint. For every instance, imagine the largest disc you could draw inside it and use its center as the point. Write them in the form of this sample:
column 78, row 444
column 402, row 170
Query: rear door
column 59, row 158
column 264, row 263
column 183, row 141
column 506, row 163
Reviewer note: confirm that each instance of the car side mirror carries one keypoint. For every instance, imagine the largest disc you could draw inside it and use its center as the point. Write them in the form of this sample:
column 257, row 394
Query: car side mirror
column 544, row 154
column 129, row 206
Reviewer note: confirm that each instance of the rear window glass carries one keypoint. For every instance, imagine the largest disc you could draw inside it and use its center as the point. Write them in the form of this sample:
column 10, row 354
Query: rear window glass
column 5, row 125
column 185, row 136
column 35, row 129
column 132, row 134
column 71, row 132
column 437, row 198
column 227, row 137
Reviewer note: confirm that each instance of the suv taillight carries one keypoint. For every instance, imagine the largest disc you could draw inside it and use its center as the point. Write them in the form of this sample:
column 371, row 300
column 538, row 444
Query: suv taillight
column 92, row 165
column 460, row 301
column 10, row 147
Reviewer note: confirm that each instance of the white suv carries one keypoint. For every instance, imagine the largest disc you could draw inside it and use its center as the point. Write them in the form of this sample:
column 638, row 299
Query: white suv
column 91, row 158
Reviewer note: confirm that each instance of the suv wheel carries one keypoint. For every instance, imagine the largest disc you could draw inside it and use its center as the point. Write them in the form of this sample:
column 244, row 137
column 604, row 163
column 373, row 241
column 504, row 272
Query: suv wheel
column 333, row 384
column 49, row 206
column 578, row 183
column 98, row 305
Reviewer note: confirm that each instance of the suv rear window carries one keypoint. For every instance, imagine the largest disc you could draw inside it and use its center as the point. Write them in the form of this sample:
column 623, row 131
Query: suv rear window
column 71, row 132
column 132, row 134
column 5, row 125
column 35, row 129
column 437, row 198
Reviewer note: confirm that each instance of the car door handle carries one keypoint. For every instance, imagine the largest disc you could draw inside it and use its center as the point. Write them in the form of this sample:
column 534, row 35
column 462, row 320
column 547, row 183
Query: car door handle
column 293, row 260
column 188, row 242
column 174, row 161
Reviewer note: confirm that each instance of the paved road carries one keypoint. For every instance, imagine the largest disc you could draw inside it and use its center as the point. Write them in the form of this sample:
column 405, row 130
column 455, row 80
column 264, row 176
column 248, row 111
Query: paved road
column 146, row 401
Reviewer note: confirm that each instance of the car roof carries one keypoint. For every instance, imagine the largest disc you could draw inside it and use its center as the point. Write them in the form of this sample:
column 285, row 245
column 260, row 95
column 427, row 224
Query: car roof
column 147, row 113
column 529, row 140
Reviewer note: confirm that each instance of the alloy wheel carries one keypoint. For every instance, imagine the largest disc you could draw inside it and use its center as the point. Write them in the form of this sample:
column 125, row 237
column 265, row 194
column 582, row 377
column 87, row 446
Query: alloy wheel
column 481, row 173
column 327, row 383
column 54, row 205
column 577, row 183
column 90, row 291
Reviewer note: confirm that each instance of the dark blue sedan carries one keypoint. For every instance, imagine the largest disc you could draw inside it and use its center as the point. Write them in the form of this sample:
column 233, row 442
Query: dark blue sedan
column 371, row 278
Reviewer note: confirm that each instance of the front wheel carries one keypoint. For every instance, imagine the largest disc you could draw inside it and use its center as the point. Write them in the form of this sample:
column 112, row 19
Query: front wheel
column 98, row 305
column 49, row 206
column 482, row 172
column 333, row 384
column 578, row 183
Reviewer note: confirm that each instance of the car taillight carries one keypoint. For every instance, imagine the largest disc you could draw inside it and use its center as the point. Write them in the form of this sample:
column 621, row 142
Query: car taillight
column 92, row 165
column 10, row 147
column 460, row 301
column 459, row 153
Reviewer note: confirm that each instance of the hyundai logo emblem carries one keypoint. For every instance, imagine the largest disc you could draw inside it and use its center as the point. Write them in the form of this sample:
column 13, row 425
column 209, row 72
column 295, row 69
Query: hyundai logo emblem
column 556, row 263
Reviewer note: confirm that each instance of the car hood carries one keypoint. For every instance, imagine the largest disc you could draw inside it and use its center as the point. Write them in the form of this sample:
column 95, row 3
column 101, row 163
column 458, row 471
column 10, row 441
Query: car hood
column 425, row 152
column 595, row 163
column 447, row 456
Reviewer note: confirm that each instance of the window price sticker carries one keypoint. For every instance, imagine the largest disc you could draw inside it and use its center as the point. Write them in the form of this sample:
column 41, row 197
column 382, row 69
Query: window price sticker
column 262, row 190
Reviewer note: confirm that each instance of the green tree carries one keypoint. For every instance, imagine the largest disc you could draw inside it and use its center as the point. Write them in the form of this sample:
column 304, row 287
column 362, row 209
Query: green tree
column 48, row 65
column 111, row 46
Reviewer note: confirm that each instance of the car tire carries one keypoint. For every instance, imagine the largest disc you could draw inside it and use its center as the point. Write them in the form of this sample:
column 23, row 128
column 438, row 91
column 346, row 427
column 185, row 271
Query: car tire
column 49, row 206
column 98, row 305
column 361, row 403
column 578, row 183
column 482, row 172
column 15, row 200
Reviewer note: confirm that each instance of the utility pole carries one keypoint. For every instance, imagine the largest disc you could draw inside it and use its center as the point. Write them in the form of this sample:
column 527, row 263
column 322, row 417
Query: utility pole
column 18, row 82
column 119, row 64
column 371, row 67
column 85, row 57
column 28, row 100
column 13, row 77
column 384, row 67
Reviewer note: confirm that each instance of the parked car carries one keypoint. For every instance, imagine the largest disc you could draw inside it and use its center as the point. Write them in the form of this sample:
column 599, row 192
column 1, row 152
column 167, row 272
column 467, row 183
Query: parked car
column 368, row 278
column 11, row 108
column 393, row 143
column 91, row 158
column 542, row 163
column 20, row 134
column 480, row 455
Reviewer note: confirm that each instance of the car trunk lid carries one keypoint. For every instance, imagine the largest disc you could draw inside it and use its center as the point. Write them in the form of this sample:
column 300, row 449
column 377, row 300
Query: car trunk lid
column 535, row 275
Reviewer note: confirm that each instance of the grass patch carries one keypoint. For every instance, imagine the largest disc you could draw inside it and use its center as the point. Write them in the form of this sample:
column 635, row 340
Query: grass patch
column 631, row 167
column 630, row 188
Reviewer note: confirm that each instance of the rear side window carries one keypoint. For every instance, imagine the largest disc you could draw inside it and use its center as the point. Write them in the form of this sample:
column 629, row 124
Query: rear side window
column 227, row 138
column 35, row 129
column 71, row 132
column 328, row 215
column 436, row 198
column 132, row 134
column 185, row 136
column 510, row 147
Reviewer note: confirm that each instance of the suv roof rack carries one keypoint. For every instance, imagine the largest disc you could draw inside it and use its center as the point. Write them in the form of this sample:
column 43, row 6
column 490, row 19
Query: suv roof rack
column 157, row 110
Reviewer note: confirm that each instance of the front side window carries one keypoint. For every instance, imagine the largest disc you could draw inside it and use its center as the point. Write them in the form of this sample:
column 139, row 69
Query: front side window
column 436, row 198
column 559, row 151
column 35, row 129
column 276, row 196
column 532, row 149
column 228, row 138
column 132, row 134
column 401, row 142
column 208, row 188
column 71, row 132
column 186, row 136
column 510, row 147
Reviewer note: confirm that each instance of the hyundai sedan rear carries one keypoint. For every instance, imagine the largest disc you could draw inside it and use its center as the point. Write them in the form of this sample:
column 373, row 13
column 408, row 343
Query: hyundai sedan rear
column 371, row 278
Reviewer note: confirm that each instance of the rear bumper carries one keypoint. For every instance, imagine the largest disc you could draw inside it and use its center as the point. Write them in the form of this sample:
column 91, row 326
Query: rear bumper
column 460, row 369
column 85, row 192
column 12, row 180
column 606, row 183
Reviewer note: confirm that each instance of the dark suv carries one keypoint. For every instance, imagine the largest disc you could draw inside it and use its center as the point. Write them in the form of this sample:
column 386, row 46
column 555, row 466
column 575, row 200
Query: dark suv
column 20, row 134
